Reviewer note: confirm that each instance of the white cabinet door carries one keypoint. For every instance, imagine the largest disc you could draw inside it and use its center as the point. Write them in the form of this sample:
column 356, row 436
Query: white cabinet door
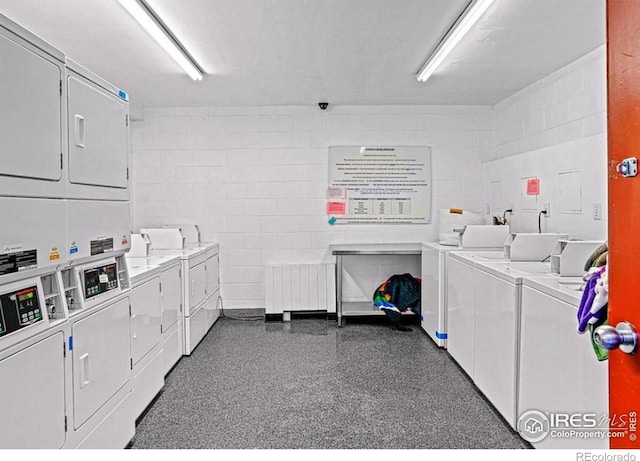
column 171, row 296
column 145, row 318
column 30, row 120
column 32, row 396
column 197, row 286
column 98, row 153
column 101, row 358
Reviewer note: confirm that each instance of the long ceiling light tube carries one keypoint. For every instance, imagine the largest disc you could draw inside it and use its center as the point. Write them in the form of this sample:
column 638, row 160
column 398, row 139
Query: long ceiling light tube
column 474, row 11
column 150, row 21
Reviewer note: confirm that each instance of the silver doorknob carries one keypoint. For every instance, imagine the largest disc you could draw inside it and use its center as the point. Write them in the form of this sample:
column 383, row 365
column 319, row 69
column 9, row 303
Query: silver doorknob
column 623, row 336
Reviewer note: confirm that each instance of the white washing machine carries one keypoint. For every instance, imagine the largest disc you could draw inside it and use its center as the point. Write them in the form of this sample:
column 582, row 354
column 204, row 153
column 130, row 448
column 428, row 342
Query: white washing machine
column 434, row 288
column 200, row 280
column 461, row 304
column 558, row 369
column 192, row 239
column 170, row 297
column 496, row 329
column 146, row 332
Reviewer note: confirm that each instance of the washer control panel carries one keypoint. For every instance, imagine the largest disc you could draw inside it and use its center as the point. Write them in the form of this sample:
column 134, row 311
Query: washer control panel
column 19, row 309
column 100, row 279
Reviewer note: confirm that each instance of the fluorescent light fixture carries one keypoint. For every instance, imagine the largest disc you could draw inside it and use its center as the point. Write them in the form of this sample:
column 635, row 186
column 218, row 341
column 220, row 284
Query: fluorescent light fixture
column 150, row 21
column 474, row 10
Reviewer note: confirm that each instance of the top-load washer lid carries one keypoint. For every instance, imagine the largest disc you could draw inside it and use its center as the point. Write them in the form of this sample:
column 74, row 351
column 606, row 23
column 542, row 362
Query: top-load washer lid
column 440, row 247
column 163, row 260
column 140, row 270
column 473, row 257
column 484, row 236
column 515, row 272
column 164, row 238
column 186, row 253
column 139, row 246
column 567, row 289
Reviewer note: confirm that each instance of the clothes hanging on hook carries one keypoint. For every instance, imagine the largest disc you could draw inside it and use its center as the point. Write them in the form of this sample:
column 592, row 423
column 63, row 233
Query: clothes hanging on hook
column 593, row 307
column 594, row 300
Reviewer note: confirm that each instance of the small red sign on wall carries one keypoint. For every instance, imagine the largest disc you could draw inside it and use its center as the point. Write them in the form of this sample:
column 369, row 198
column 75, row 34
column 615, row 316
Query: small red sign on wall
column 533, row 186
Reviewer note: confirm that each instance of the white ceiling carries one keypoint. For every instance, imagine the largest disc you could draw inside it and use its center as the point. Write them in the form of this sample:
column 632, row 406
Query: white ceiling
column 300, row 52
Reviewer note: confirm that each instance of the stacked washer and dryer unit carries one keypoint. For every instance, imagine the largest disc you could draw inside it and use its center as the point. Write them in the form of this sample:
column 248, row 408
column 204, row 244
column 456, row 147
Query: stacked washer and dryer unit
column 65, row 320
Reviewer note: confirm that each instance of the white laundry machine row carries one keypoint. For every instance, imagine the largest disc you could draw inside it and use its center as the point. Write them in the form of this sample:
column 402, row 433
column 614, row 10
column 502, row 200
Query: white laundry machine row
column 65, row 346
column 200, row 280
column 65, row 342
column 484, row 296
column 558, row 370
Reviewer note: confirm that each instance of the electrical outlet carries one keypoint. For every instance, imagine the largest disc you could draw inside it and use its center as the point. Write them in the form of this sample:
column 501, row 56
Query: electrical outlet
column 547, row 209
column 597, row 211
column 488, row 208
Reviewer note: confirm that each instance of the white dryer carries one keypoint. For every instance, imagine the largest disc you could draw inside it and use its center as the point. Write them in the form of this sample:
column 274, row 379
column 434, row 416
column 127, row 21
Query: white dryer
column 33, row 116
column 558, row 369
column 98, row 140
column 98, row 297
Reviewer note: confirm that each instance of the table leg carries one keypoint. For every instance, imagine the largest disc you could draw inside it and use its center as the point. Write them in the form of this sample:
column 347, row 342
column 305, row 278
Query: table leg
column 339, row 289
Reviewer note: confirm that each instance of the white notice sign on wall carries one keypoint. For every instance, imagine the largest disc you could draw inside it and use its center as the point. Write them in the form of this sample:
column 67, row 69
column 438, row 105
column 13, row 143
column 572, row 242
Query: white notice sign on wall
column 385, row 185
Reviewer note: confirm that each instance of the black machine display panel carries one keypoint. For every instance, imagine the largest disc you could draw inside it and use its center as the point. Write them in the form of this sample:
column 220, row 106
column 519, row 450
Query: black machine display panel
column 19, row 309
column 98, row 280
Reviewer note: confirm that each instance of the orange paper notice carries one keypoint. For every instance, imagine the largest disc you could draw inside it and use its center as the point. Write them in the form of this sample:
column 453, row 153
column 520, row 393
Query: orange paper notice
column 336, row 208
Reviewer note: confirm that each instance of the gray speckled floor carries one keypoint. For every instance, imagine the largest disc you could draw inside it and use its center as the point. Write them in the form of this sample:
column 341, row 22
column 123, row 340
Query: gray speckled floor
column 309, row 384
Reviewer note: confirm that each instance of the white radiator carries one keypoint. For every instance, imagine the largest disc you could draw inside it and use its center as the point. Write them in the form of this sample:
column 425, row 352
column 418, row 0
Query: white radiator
column 300, row 287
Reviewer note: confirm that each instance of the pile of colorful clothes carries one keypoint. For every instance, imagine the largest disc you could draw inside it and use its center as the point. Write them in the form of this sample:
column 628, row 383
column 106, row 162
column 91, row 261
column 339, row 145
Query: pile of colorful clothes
column 398, row 294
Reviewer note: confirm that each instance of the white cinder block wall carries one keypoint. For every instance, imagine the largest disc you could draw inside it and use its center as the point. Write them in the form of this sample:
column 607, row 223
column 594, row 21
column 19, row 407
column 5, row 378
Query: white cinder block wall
column 255, row 178
column 554, row 130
